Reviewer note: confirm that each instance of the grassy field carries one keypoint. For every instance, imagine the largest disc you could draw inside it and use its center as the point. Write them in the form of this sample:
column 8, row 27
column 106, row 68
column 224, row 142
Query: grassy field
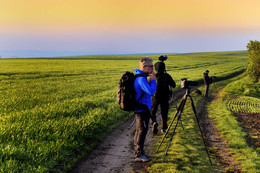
column 54, row 110
column 231, row 130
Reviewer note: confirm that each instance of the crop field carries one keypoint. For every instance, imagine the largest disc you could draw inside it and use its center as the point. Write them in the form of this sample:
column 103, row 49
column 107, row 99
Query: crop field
column 248, row 96
column 54, row 110
column 245, row 105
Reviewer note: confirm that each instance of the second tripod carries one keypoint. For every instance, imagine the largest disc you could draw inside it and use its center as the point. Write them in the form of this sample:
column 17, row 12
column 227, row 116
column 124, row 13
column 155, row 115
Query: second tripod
column 178, row 115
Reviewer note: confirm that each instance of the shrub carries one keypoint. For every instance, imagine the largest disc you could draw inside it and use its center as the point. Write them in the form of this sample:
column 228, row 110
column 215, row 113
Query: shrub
column 253, row 49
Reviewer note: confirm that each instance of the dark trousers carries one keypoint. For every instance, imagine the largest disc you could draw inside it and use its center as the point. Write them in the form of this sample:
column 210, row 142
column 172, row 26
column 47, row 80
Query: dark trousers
column 142, row 120
column 164, row 103
column 206, row 90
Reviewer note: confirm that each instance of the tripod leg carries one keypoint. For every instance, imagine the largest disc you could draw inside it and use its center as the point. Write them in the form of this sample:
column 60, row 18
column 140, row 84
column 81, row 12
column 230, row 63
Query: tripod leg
column 178, row 110
column 179, row 117
column 185, row 98
column 181, row 124
column 172, row 136
column 195, row 112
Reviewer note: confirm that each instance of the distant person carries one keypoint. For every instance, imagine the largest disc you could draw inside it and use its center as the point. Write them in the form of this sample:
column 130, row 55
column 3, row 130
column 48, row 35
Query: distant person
column 145, row 91
column 162, row 95
column 207, row 81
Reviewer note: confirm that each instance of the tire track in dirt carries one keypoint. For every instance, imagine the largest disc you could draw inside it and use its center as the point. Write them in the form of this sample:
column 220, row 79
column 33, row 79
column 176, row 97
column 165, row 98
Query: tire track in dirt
column 219, row 147
column 113, row 154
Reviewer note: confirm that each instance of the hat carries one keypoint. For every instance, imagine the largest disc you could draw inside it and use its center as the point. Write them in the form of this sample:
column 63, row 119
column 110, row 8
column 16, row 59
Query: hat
column 207, row 71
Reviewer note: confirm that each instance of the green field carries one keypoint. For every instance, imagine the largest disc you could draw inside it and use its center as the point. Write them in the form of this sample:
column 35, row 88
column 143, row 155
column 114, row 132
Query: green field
column 243, row 95
column 54, row 110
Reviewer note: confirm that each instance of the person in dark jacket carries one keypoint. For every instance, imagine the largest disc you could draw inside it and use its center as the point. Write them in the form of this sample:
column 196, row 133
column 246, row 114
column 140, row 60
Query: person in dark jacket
column 207, row 81
column 145, row 90
column 162, row 95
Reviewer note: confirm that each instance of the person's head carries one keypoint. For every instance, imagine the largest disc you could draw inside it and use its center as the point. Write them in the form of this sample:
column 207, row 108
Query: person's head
column 159, row 67
column 146, row 65
column 206, row 73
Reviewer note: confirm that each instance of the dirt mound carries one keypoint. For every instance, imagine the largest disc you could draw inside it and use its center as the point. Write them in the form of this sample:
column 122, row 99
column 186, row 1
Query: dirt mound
column 251, row 124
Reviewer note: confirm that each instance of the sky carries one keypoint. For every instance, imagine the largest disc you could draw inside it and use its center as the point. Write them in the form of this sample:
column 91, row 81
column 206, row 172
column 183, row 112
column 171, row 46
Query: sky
column 127, row 26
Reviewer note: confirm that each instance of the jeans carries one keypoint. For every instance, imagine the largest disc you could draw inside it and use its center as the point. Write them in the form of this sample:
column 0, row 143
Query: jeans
column 206, row 90
column 142, row 121
column 164, row 103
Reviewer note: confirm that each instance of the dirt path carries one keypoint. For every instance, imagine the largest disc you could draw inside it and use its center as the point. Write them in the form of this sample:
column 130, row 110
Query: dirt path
column 115, row 153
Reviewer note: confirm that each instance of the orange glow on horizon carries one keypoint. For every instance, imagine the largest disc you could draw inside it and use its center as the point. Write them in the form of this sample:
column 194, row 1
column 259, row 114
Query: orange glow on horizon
column 103, row 15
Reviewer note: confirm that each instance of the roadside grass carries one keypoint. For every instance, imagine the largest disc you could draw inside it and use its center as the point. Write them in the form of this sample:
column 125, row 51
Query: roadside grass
column 187, row 151
column 54, row 110
column 228, row 125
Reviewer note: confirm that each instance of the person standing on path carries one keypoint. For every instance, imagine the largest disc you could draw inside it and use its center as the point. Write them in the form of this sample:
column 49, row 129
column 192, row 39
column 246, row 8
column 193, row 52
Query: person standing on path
column 162, row 95
column 207, row 81
column 144, row 90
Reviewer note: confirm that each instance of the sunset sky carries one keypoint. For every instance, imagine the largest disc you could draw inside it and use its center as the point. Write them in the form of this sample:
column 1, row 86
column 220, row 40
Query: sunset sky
column 128, row 26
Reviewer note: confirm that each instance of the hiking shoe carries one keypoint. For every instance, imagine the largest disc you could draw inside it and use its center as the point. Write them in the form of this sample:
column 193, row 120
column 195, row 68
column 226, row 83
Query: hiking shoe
column 143, row 158
column 163, row 130
column 155, row 129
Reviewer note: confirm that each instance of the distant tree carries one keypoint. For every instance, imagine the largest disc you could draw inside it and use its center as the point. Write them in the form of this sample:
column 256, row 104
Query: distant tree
column 253, row 69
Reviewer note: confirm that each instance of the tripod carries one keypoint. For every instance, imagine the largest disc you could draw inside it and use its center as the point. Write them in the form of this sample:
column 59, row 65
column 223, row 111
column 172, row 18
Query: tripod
column 178, row 113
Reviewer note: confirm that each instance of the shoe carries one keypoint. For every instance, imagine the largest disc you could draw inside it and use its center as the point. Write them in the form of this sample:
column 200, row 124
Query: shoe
column 155, row 129
column 163, row 130
column 143, row 158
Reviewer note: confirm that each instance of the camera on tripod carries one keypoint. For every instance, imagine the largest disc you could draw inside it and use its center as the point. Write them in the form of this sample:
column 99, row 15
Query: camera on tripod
column 185, row 84
column 163, row 58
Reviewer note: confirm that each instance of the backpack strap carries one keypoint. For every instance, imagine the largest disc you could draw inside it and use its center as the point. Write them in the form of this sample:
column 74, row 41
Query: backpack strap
column 140, row 105
column 142, row 95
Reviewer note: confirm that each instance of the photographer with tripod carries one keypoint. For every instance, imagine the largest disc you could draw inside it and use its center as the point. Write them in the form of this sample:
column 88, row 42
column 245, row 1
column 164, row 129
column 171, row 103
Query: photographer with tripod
column 185, row 84
column 162, row 94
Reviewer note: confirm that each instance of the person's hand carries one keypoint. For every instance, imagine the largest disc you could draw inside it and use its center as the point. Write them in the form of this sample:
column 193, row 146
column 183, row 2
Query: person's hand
column 153, row 75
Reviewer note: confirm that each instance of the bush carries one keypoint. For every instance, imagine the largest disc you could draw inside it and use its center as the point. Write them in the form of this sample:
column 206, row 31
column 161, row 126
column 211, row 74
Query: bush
column 253, row 49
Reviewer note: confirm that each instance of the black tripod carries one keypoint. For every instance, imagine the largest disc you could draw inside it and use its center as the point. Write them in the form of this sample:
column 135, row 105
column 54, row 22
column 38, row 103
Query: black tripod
column 178, row 113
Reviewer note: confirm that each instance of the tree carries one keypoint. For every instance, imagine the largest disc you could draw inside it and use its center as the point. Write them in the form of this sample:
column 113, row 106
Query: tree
column 253, row 69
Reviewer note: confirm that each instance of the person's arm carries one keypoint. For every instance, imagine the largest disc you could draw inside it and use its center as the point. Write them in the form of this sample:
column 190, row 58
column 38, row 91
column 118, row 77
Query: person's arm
column 146, row 87
column 171, row 81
